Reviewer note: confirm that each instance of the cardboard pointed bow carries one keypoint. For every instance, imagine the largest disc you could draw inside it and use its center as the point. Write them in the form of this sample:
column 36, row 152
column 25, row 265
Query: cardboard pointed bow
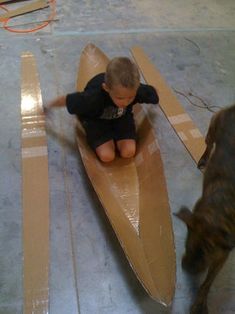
column 134, row 196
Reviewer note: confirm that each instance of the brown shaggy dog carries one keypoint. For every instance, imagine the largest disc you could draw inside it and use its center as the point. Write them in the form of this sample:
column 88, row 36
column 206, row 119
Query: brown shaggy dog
column 211, row 225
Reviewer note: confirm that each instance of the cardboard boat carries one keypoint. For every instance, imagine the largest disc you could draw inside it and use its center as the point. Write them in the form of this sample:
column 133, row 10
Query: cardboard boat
column 134, row 196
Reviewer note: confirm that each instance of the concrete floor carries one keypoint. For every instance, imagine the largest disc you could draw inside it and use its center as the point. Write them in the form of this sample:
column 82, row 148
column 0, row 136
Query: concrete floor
column 192, row 43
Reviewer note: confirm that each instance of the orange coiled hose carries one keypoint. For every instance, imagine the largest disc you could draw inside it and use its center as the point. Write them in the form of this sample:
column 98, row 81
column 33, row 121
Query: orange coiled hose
column 52, row 4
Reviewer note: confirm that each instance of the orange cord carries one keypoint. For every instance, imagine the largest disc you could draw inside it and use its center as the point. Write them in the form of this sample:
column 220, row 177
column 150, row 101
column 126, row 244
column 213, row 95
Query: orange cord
column 4, row 8
column 52, row 4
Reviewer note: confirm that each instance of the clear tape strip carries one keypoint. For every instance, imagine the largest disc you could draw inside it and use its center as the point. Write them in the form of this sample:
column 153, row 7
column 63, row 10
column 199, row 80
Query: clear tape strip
column 33, row 122
column 34, row 132
column 179, row 118
column 33, row 117
column 139, row 159
column 152, row 147
column 31, row 152
column 195, row 133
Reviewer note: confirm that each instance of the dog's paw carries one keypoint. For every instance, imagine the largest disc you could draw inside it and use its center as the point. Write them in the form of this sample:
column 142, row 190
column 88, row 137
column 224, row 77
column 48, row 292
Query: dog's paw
column 202, row 164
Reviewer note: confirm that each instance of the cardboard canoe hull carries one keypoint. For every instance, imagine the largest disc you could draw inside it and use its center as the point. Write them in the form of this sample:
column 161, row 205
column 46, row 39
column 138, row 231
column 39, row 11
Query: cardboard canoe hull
column 134, row 196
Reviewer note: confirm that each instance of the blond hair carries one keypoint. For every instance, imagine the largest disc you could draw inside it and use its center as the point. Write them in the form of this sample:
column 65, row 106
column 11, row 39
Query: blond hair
column 122, row 71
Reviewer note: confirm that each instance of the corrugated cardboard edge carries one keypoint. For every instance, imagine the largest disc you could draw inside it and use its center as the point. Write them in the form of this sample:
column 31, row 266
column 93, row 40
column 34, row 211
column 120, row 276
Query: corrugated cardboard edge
column 37, row 5
column 183, row 125
column 35, row 191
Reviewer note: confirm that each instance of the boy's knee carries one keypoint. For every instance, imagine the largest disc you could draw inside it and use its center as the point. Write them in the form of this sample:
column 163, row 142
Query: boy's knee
column 127, row 152
column 127, row 148
column 106, row 151
column 106, row 156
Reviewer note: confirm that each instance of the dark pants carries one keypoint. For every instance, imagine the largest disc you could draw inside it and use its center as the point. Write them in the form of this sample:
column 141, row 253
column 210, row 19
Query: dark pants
column 100, row 131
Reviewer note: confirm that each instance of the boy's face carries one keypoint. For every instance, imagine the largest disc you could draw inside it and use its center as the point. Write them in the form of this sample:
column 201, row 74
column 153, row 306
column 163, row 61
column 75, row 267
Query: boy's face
column 121, row 96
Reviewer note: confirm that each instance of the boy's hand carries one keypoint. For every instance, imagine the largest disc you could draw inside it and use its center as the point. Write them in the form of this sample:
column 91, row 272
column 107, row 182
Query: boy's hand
column 46, row 109
column 59, row 102
column 56, row 103
column 48, row 112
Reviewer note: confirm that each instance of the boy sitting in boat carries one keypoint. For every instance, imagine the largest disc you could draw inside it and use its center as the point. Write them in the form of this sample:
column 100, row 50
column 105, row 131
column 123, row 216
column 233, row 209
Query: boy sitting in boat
column 105, row 108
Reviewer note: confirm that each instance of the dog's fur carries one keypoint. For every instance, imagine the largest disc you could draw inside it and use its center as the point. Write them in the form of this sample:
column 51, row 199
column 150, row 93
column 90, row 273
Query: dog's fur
column 211, row 225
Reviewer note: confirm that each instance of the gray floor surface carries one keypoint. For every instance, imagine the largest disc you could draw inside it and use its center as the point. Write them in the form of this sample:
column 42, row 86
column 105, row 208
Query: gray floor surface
column 192, row 43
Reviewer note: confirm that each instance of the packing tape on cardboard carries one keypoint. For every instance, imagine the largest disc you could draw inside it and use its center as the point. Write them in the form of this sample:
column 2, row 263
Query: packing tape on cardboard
column 33, row 117
column 179, row 118
column 187, row 131
column 33, row 132
column 32, row 152
column 35, row 193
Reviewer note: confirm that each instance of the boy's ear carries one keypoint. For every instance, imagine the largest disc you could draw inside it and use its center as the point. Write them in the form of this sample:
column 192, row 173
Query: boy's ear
column 105, row 87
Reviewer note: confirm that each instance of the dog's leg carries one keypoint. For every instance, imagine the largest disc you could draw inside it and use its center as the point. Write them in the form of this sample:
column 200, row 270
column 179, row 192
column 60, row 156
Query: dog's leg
column 210, row 139
column 200, row 304
column 204, row 159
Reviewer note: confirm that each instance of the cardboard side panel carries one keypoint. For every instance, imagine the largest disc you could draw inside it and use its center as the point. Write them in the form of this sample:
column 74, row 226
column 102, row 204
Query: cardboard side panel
column 35, row 191
column 187, row 131
column 156, row 230
column 124, row 229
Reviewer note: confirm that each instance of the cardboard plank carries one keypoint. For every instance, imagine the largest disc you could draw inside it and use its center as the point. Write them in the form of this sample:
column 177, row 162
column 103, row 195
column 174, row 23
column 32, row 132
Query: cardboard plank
column 35, row 191
column 183, row 125
column 8, row 1
column 40, row 4
column 134, row 196
column 11, row 1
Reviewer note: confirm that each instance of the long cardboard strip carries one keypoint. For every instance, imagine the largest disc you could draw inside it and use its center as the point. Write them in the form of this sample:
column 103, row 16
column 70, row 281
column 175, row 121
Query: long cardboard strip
column 35, row 191
column 40, row 4
column 10, row 1
column 185, row 128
